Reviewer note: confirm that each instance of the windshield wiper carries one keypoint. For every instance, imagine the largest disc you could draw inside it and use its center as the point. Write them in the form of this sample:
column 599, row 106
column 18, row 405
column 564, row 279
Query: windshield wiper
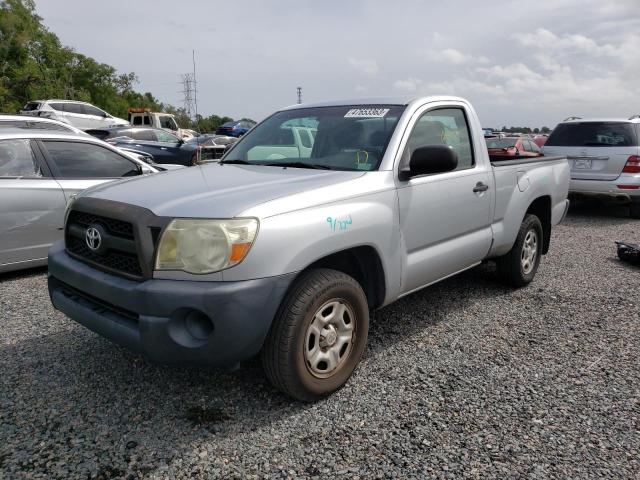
column 235, row 162
column 316, row 166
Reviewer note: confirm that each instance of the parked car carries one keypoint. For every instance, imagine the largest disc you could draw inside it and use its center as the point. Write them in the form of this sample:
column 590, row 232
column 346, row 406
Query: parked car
column 235, row 128
column 40, row 172
column 283, row 252
column 604, row 155
column 512, row 147
column 164, row 146
column 212, row 147
column 540, row 140
column 144, row 117
column 37, row 123
column 81, row 115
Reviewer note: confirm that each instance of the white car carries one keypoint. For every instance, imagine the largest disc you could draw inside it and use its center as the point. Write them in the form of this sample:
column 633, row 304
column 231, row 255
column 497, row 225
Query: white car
column 81, row 115
column 604, row 156
column 37, row 123
column 40, row 172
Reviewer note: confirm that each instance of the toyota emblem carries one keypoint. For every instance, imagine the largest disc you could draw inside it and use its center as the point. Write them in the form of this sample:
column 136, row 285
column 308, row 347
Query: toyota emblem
column 93, row 238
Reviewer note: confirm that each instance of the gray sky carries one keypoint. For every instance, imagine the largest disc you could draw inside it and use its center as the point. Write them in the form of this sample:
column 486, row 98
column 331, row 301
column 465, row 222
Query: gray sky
column 520, row 62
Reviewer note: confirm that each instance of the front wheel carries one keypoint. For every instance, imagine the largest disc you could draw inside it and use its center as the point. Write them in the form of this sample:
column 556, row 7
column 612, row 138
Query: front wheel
column 318, row 335
column 518, row 266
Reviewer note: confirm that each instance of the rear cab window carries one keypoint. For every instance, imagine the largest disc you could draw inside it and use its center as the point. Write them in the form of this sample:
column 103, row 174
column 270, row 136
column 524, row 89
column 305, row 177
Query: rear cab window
column 594, row 134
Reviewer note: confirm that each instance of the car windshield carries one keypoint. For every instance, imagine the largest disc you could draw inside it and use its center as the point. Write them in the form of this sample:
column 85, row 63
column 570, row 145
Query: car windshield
column 501, row 142
column 338, row 138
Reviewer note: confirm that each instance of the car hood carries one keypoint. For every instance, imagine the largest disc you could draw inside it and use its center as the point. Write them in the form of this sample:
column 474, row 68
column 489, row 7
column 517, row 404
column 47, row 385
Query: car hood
column 215, row 190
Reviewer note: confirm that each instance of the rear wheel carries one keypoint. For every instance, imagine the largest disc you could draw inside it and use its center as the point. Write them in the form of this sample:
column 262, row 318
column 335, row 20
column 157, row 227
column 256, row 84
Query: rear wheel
column 518, row 267
column 318, row 335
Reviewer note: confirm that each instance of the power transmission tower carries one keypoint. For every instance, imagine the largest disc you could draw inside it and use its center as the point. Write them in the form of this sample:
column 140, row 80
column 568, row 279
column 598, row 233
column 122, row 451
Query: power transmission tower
column 189, row 94
column 299, row 95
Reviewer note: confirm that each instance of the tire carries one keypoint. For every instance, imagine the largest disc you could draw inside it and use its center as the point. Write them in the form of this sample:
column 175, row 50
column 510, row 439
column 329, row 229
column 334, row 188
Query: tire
column 513, row 268
column 634, row 209
column 294, row 350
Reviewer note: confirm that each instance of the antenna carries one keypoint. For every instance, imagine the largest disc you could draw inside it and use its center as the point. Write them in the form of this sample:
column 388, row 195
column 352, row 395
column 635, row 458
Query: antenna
column 195, row 91
column 299, row 95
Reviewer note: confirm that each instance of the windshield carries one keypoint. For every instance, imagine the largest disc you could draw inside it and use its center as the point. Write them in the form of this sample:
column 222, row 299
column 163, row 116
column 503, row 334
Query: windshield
column 339, row 138
column 501, row 142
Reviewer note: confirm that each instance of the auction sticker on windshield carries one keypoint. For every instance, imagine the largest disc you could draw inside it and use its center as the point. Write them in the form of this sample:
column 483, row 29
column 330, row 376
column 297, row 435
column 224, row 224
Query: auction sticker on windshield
column 366, row 113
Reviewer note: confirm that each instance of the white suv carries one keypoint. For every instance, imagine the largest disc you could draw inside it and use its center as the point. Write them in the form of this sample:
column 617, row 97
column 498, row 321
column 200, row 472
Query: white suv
column 81, row 115
column 604, row 156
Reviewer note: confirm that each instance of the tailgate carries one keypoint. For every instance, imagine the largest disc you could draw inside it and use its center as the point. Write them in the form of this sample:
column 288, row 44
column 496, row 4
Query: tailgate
column 594, row 163
column 596, row 150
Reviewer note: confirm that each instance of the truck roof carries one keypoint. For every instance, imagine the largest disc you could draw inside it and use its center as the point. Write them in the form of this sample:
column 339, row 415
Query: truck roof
column 401, row 100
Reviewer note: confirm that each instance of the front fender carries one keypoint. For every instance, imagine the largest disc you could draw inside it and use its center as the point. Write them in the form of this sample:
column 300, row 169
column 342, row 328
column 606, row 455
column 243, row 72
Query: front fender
column 291, row 241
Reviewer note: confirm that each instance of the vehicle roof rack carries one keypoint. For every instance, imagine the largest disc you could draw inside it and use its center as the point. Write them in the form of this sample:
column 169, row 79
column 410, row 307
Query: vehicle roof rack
column 568, row 119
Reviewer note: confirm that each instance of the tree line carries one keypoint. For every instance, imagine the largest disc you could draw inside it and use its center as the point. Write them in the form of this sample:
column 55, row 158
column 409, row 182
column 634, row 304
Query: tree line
column 34, row 65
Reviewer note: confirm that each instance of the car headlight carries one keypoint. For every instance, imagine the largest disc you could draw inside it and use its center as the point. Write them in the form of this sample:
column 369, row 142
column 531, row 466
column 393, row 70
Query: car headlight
column 205, row 246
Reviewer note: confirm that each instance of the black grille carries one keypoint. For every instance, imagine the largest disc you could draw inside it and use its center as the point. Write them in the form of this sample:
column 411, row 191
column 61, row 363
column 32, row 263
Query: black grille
column 113, row 259
column 117, row 227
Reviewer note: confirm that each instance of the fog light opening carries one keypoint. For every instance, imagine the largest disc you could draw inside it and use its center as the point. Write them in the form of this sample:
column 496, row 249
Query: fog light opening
column 198, row 325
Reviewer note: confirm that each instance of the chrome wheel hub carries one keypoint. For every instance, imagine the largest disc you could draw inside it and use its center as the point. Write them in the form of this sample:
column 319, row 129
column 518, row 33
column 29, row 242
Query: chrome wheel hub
column 529, row 252
column 329, row 338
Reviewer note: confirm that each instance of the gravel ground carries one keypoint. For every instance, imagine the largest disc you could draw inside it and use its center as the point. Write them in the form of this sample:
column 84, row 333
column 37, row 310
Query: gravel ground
column 464, row 379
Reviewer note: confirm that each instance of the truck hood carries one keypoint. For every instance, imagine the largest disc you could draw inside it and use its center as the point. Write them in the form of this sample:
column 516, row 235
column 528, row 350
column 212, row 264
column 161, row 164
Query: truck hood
column 215, row 190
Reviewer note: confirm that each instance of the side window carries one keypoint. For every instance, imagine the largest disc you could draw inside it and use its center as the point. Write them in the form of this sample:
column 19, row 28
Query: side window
column 73, row 108
column 146, row 135
column 166, row 137
column 168, row 122
column 57, row 106
column 445, row 126
column 86, row 160
column 526, row 146
column 91, row 110
column 17, row 159
column 305, row 138
column 137, row 120
column 534, row 147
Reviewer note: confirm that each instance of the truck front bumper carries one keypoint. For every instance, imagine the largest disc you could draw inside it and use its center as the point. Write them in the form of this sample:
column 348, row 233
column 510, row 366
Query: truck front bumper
column 168, row 321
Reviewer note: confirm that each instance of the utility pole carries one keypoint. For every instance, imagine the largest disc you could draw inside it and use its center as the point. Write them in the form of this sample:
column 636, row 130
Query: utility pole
column 299, row 95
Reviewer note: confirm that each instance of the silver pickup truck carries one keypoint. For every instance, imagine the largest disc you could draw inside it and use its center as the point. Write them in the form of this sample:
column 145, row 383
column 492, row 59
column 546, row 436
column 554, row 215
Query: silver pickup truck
column 318, row 215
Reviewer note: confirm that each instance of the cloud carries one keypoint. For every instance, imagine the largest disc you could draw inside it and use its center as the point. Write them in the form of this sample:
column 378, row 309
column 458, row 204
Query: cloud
column 453, row 56
column 367, row 66
column 410, row 85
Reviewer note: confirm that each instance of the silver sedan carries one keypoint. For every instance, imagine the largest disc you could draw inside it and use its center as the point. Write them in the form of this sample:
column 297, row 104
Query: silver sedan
column 40, row 171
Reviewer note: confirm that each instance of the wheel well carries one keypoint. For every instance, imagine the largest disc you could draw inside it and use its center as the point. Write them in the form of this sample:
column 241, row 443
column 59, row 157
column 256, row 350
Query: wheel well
column 541, row 208
column 364, row 265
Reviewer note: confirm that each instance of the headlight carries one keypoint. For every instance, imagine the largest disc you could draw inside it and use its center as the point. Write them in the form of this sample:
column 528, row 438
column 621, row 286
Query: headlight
column 205, row 246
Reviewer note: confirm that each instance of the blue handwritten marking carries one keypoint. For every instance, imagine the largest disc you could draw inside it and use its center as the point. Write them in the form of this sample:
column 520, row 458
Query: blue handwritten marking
column 338, row 224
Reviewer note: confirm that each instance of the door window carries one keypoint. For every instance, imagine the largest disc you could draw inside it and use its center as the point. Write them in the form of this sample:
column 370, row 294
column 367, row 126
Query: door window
column 73, row 108
column 137, row 120
column 17, row 159
column 166, row 137
column 168, row 122
column 86, row 160
column 445, row 126
column 146, row 135
column 91, row 110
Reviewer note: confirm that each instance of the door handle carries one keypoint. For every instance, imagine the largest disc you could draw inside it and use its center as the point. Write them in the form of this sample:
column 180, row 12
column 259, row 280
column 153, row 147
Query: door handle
column 480, row 187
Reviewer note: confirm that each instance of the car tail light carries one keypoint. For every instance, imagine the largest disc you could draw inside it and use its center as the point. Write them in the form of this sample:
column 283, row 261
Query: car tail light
column 195, row 157
column 628, row 187
column 632, row 165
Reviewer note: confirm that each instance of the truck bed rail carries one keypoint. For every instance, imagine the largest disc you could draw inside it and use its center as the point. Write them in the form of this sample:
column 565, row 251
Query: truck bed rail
column 501, row 162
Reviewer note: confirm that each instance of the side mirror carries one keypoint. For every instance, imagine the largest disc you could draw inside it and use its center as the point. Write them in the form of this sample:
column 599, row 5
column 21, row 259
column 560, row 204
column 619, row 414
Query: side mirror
column 430, row 159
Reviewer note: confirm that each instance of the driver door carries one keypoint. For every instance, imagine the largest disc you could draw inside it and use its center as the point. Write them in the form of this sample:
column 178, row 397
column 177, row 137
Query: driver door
column 444, row 218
